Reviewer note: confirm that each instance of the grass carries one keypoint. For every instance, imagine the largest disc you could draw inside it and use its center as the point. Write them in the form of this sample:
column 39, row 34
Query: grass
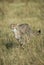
column 21, row 12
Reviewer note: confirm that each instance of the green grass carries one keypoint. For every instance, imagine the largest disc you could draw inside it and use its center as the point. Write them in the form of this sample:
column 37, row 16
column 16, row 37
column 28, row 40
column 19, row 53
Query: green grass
column 21, row 12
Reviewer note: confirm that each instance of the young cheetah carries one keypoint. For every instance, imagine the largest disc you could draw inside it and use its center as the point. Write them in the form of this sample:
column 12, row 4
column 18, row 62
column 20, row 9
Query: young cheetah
column 22, row 32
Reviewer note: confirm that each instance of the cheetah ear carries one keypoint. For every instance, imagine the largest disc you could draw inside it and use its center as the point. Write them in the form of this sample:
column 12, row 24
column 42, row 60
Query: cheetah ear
column 17, row 24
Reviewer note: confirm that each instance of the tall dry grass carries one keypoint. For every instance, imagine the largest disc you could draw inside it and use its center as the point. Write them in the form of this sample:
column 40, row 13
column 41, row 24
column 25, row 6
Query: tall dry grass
column 10, row 51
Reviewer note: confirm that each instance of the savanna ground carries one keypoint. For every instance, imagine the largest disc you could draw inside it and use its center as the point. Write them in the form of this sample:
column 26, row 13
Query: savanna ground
column 21, row 11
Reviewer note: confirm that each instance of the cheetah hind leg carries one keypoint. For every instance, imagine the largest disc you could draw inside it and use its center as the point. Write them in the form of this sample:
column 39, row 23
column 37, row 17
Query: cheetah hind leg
column 22, row 43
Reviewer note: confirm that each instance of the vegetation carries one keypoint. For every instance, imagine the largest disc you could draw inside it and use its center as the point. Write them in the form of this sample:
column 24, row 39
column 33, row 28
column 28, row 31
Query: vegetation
column 21, row 11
